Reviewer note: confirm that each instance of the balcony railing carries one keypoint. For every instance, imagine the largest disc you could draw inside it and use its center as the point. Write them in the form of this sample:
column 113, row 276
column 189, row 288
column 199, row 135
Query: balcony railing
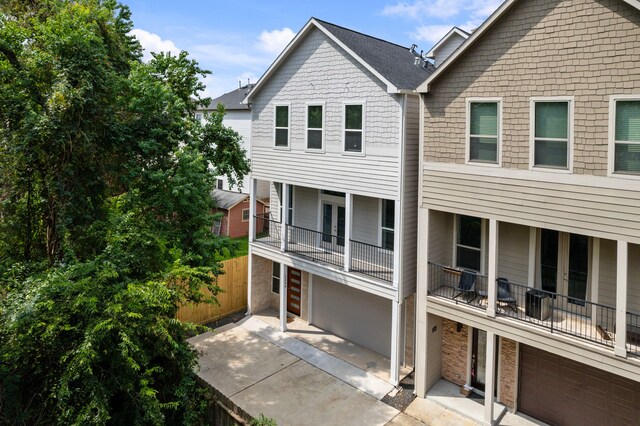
column 372, row 260
column 557, row 313
column 366, row 259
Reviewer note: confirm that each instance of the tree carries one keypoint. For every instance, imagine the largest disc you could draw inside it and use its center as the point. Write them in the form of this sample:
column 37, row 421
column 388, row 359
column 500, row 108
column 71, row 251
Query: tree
column 105, row 216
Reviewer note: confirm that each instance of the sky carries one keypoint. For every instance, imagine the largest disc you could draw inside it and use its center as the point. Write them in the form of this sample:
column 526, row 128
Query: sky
column 238, row 41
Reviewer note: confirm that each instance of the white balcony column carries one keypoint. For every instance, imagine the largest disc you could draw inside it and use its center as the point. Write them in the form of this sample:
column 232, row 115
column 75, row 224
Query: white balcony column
column 284, row 220
column 253, row 187
column 595, row 276
column 348, row 211
column 249, row 281
column 620, row 348
column 493, row 267
column 489, row 387
column 421, row 304
column 396, row 331
column 283, row 297
column 397, row 243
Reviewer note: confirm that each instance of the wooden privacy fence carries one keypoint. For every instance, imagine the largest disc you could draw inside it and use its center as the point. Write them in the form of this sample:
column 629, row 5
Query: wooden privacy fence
column 234, row 284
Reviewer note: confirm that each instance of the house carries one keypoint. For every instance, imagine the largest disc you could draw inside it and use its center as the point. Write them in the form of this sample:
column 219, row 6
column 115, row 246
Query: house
column 447, row 45
column 238, row 118
column 335, row 135
column 529, row 237
column 234, row 207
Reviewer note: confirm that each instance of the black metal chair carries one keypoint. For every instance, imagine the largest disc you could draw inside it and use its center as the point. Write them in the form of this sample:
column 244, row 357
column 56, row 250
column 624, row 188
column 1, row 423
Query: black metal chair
column 504, row 294
column 467, row 285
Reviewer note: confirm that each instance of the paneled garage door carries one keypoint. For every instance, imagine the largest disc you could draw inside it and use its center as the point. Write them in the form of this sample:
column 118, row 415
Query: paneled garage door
column 559, row 391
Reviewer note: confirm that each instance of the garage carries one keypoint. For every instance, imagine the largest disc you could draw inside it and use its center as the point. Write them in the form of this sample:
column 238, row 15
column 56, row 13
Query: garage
column 559, row 391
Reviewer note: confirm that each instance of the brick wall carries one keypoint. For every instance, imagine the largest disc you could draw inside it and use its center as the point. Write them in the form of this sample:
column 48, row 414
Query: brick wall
column 304, row 296
column 508, row 372
column 588, row 49
column 410, row 326
column 261, row 296
column 454, row 352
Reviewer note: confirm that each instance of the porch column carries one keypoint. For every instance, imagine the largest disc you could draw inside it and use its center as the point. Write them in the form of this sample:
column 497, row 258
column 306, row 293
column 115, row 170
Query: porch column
column 348, row 209
column 285, row 216
column 397, row 243
column 283, row 297
column 621, row 299
column 396, row 308
column 249, row 281
column 493, row 266
column 489, row 387
column 595, row 276
column 422, row 283
column 253, row 186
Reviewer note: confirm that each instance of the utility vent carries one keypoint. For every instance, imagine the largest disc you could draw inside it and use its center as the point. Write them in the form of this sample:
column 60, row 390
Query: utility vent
column 419, row 59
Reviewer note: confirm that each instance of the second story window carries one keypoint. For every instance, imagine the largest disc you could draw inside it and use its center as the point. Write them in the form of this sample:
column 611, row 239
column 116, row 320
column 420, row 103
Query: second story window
column 315, row 124
column 551, row 133
column 468, row 242
column 484, row 127
column 626, row 134
column 353, row 122
column 282, row 126
column 388, row 223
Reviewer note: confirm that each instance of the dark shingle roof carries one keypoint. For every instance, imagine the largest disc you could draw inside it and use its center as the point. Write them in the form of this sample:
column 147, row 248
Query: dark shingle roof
column 233, row 100
column 392, row 61
column 227, row 199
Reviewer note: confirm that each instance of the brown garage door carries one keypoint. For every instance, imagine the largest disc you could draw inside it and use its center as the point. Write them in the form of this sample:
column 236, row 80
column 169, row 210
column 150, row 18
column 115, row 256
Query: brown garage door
column 559, row 391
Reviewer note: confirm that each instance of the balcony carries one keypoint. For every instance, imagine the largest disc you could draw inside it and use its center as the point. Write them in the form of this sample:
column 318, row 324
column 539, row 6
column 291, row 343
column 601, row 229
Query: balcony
column 364, row 259
column 556, row 313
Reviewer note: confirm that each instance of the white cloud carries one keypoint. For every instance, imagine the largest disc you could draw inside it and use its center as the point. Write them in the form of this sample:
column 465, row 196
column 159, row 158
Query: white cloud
column 275, row 41
column 431, row 33
column 442, row 9
column 153, row 43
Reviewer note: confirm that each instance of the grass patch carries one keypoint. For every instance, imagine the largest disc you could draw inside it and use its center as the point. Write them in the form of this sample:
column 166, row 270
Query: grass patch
column 241, row 249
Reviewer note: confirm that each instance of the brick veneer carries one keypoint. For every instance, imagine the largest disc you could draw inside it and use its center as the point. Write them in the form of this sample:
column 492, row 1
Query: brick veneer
column 508, row 372
column 454, row 352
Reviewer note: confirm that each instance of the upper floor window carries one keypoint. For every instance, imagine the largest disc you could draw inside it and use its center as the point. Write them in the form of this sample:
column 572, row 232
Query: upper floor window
column 626, row 135
column 388, row 223
column 219, row 184
column 551, row 123
column 315, row 124
column 282, row 125
column 353, row 124
column 198, row 116
column 484, row 128
column 468, row 242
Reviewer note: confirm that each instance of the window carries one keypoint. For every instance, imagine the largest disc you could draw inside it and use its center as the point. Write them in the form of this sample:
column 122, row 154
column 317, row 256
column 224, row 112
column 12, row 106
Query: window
column 290, row 206
column 278, row 187
column 245, row 215
column 219, row 183
column 551, row 133
column 484, row 128
column 314, row 126
column 469, row 242
column 275, row 277
column 353, row 119
column 626, row 136
column 282, row 125
column 388, row 222
column 198, row 116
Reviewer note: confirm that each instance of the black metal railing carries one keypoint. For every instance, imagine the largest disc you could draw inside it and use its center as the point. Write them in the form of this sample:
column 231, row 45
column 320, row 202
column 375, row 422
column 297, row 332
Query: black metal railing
column 633, row 333
column 371, row 260
column 315, row 245
column 459, row 285
column 268, row 231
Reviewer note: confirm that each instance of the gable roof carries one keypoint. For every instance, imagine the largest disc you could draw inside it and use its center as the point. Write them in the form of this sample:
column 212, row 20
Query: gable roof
column 455, row 31
column 227, row 200
column 232, row 101
column 486, row 25
column 391, row 63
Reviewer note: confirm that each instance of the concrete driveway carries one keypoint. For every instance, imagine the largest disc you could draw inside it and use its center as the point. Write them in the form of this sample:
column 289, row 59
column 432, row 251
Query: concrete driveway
column 264, row 371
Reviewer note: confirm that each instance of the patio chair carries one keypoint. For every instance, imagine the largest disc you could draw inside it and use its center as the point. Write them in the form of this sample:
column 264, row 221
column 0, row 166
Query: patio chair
column 467, row 285
column 504, row 294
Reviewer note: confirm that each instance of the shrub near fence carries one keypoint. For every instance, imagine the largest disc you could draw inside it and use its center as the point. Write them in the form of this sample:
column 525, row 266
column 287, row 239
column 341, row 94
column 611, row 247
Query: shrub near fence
column 233, row 298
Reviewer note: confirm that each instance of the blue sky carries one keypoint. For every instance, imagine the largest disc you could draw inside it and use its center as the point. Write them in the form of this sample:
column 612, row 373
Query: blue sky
column 239, row 40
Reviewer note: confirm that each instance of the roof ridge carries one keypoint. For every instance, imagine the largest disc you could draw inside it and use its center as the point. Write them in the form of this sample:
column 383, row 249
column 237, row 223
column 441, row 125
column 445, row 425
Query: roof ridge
column 360, row 33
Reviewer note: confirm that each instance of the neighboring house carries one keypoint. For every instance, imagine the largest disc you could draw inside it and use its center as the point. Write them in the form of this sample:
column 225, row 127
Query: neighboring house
column 235, row 209
column 238, row 118
column 335, row 134
column 447, row 45
column 529, row 229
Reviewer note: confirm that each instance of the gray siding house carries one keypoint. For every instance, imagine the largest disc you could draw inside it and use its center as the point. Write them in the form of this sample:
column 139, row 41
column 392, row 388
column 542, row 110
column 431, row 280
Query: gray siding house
column 529, row 237
column 335, row 134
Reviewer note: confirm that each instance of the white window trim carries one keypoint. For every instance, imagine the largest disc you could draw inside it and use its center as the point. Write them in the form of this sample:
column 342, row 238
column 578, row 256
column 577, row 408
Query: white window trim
column 612, row 135
column 242, row 215
column 483, row 234
column 467, row 154
column 362, row 153
column 288, row 105
column 307, row 128
column 273, row 276
column 380, row 227
column 532, row 133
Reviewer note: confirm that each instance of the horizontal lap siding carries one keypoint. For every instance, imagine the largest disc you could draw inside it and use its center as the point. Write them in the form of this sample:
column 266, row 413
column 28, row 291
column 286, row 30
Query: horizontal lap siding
column 606, row 213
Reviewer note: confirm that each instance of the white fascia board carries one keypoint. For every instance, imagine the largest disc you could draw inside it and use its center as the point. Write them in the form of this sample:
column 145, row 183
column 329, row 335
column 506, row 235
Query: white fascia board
column 443, row 40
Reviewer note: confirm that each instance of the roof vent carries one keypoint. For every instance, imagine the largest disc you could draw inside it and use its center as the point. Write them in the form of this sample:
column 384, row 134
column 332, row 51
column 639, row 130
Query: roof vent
column 419, row 59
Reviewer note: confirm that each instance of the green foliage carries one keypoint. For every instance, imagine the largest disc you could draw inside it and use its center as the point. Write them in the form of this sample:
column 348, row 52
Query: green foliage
column 262, row 420
column 105, row 217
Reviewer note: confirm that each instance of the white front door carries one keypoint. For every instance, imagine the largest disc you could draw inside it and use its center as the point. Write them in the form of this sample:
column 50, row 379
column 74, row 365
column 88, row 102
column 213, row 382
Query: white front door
column 333, row 225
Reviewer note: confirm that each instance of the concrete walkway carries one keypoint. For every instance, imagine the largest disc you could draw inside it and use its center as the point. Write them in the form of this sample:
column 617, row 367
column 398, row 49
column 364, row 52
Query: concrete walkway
column 264, row 371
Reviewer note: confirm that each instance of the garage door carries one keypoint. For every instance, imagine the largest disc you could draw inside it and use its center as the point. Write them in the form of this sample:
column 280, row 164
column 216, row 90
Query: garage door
column 559, row 391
